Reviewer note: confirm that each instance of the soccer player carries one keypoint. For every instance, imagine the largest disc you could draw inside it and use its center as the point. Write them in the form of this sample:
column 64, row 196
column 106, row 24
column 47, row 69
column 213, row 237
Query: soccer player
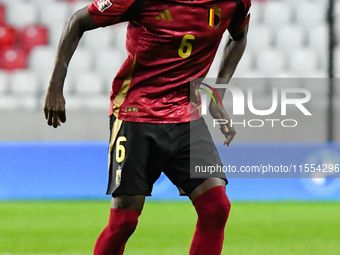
column 168, row 43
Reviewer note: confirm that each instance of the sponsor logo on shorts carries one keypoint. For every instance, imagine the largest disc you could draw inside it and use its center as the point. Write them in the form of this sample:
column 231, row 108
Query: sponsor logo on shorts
column 118, row 177
column 103, row 5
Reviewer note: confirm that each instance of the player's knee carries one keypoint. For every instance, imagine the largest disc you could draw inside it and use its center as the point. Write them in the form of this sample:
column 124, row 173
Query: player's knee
column 130, row 226
column 220, row 212
column 127, row 225
column 213, row 209
column 123, row 221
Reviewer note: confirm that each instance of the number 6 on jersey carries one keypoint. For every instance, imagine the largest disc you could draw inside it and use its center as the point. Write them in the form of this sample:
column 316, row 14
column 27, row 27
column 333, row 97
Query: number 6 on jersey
column 185, row 45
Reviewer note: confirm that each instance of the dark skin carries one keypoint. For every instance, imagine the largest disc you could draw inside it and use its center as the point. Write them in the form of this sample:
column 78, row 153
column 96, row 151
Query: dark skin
column 231, row 56
column 54, row 107
column 74, row 29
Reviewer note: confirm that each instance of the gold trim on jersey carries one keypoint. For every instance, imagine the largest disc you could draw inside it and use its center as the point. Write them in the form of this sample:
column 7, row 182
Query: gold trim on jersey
column 119, row 99
column 115, row 129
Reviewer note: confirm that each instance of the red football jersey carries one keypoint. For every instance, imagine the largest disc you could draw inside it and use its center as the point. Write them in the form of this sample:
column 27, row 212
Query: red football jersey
column 168, row 44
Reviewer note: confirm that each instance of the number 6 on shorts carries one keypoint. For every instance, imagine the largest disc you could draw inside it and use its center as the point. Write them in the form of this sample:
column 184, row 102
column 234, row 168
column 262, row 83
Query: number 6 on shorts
column 120, row 149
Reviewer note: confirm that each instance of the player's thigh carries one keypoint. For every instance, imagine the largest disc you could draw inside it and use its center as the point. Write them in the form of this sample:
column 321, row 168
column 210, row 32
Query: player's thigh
column 205, row 186
column 198, row 149
column 134, row 162
column 128, row 202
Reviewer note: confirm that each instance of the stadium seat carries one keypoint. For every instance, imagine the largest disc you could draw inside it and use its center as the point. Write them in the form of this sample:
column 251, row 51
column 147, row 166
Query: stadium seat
column 88, row 83
column 68, row 84
column 252, row 74
column 101, row 102
column 256, row 13
column 12, row 59
column 120, row 36
column 317, row 87
column 318, row 40
column 260, row 38
column 2, row 14
column 98, row 40
column 81, row 61
column 108, row 63
column 14, row 102
column 3, row 82
column 89, row 103
column 277, row 14
column 271, row 62
column 40, row 4
column 337, row 13
column 27, row 12
column 45, row 77
column 286, row 74
column 310, row 14
column 55, row 32
column 337, row 88
column 304, row 63
column 74, row 103
column 77, row 5
column 7, row 36
column 290, row 38
column 107, row 85
column 258, row 85
column 54, row 13
column 8, row 102
column 31, row 36
column 294, row 3
column 285, row 82
column 42, row 59
column 24, row 88
column 337, row 63
column 14, row 2
column 24, row 83
column 245, row 65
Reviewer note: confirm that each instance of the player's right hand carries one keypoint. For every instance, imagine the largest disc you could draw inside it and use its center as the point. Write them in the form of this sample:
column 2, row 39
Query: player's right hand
column 54, row 107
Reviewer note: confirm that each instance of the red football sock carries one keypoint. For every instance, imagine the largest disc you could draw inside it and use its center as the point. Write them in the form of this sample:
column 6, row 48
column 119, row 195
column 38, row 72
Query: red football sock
column 212, row 208
column 122, row 223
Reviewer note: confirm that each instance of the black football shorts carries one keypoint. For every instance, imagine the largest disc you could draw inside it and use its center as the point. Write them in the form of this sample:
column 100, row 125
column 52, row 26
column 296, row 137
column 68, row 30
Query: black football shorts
column 140, row 152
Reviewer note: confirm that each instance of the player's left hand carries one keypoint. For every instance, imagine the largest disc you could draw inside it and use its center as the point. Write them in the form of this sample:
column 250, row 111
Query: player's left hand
column 218, row 112
column 54, row 107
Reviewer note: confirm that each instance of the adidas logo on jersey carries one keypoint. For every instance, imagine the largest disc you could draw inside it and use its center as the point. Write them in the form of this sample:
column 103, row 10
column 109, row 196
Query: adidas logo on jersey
column 165, row 16
column 131, row 109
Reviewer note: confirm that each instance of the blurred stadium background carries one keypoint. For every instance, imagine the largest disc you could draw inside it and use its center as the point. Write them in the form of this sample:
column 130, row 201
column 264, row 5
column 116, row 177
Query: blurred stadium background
column 287, row 40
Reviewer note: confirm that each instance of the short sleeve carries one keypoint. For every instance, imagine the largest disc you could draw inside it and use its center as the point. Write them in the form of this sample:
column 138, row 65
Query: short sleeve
column 109, row 12
column 241, row 16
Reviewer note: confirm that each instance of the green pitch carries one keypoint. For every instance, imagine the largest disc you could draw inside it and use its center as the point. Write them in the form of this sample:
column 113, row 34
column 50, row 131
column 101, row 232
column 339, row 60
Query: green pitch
column 166, row 228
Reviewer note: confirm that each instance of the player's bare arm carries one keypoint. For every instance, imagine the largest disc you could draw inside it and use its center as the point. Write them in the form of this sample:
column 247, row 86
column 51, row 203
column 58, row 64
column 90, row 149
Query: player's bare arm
column 74, row 28
column 231, row 57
